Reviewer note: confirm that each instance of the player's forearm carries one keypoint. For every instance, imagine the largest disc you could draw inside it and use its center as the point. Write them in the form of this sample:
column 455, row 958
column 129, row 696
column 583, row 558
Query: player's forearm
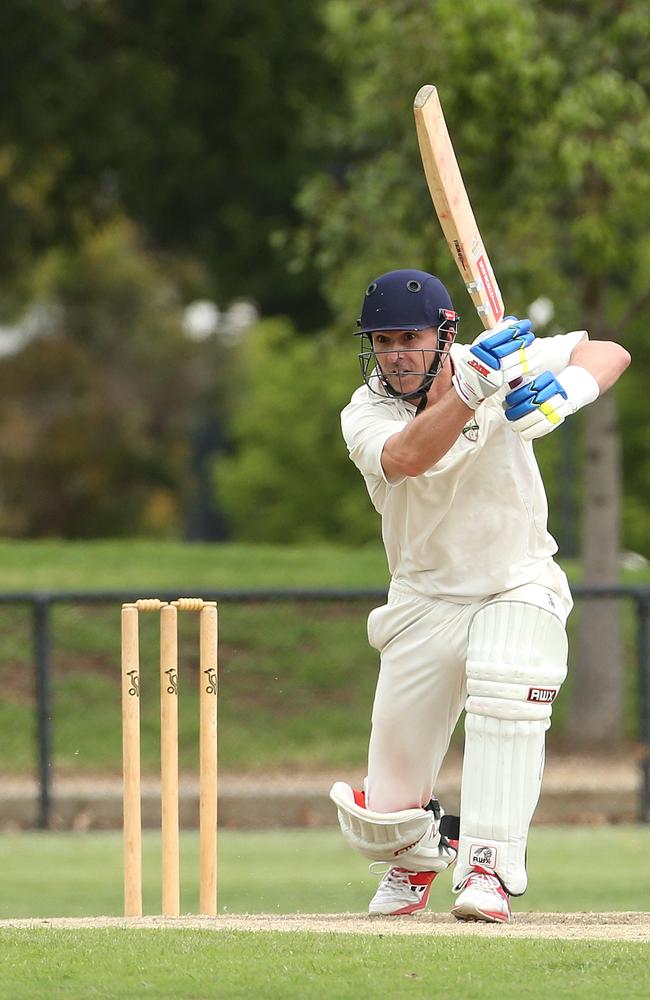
column 426, row 439
column 603, row 359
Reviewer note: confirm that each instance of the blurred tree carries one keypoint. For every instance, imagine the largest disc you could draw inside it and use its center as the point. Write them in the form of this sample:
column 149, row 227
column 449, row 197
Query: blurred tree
column 194, row 120
column 550, row 118
column 97, row 411
column 589, row 167
column 289, row 478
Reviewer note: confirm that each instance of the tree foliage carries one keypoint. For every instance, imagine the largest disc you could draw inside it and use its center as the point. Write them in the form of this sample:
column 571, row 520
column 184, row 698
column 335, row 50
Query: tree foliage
column 274, row 145
column 551, row 123
column 550, row 116
column 194, row 120
column 289, row 478
column 98, row 410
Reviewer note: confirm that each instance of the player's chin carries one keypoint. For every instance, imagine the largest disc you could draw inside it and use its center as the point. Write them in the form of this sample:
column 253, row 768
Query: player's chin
column 404, row 384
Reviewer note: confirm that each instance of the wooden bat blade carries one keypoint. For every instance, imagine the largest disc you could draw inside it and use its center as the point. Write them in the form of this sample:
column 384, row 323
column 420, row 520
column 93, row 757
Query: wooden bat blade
column 453, row 207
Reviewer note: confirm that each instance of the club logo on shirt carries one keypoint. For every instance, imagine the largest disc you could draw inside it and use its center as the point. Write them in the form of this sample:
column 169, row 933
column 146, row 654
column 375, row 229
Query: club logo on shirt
column 470, row 431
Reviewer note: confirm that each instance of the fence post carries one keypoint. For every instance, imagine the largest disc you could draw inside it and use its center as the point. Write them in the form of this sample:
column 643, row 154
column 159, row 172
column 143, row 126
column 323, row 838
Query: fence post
column 643, row 610
column 42, row 684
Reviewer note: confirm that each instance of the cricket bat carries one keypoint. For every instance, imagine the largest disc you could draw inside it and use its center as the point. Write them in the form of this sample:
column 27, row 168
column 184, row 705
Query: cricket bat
column 453, row 207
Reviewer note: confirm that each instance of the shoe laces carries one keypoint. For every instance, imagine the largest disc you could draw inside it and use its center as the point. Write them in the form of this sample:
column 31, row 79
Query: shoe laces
column 391, row 877
column 483, row 880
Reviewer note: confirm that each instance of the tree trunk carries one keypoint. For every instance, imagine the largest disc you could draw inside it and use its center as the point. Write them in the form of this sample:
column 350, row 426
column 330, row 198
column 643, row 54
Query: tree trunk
column 596, row 712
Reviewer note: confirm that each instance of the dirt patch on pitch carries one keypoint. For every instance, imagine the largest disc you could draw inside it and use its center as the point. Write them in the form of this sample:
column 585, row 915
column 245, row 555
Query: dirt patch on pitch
column 559, row 926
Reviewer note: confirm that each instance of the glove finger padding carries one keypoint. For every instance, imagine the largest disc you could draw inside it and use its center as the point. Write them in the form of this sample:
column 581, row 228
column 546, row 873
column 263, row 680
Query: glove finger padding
column 508, row 352
column 491, row 346
column 511, row 347
column 539, row 406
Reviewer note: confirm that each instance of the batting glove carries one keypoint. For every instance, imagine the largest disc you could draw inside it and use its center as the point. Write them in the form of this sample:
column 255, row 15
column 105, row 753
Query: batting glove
column 511, row 346
column 472, row 379
column 539, row 406
column 496, row 357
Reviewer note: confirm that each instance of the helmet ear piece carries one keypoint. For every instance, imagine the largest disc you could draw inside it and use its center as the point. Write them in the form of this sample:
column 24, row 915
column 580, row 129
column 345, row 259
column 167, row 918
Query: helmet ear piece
column 447, row 326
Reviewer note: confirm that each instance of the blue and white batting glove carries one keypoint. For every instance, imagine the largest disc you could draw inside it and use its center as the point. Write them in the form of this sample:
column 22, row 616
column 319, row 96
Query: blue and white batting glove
column 539, row 406
column 472, row 379
column 496, row 357
column 512, row 347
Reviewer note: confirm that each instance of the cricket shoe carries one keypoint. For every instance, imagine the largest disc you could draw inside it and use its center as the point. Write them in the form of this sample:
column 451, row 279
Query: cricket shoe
column 482, row 897
column 401, row 892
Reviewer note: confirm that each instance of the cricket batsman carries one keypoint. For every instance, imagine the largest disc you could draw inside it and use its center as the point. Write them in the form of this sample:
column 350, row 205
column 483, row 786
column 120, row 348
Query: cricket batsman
column 475, row 616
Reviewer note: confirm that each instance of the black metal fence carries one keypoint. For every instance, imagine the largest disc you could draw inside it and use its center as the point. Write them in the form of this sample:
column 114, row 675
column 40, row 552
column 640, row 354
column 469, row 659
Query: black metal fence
column 41, row 603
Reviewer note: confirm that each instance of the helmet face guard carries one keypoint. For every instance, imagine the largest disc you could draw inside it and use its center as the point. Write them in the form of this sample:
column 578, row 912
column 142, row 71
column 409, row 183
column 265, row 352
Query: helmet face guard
column 428, row 361
column 405, row 300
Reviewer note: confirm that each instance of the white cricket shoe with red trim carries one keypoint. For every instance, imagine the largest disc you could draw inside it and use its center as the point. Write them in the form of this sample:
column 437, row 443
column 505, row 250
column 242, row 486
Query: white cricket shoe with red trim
column 401, row 891
column 482, row 897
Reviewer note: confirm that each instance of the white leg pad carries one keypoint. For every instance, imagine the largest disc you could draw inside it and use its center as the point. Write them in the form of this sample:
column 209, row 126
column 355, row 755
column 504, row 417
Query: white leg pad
column 408, row 839
column 516, row 663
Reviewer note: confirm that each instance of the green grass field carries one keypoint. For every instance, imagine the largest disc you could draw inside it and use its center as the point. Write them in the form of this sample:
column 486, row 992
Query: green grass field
column 313, row 871
column 309, row 871
column 126, row 563
column 296, row 680
column 197, row 965
column 186, row 965
column 295, row 690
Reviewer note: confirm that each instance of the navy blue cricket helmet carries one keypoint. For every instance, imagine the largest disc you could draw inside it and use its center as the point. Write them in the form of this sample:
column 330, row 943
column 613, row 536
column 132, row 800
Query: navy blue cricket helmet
column 406, row 299
column 403, row 300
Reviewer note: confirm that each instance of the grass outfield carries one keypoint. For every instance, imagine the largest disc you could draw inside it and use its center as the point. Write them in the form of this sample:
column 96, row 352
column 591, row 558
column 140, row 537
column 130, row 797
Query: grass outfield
column 118, row 564
column 122, row 564
column 571, row 869
column 192, row 965
column 296, row 680
column 309, row 871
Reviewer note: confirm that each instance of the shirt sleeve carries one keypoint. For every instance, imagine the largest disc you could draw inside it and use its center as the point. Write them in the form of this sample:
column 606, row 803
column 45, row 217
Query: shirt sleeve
column 366, row 427
column 558, row 350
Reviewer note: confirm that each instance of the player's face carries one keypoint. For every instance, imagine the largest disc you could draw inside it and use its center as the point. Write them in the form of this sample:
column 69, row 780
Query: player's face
column 405, row 356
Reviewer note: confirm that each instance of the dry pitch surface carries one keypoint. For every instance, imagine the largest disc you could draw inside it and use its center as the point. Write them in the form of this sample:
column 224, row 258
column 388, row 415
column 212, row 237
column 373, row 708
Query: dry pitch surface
column 564, row 926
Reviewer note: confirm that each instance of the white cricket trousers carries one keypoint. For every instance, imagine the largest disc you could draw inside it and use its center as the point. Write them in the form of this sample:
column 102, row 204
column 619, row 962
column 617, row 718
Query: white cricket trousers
column 421, row 688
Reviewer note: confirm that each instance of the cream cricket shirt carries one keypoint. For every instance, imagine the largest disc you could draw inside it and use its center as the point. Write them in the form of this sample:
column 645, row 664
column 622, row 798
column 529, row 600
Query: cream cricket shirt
column 473, row 525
